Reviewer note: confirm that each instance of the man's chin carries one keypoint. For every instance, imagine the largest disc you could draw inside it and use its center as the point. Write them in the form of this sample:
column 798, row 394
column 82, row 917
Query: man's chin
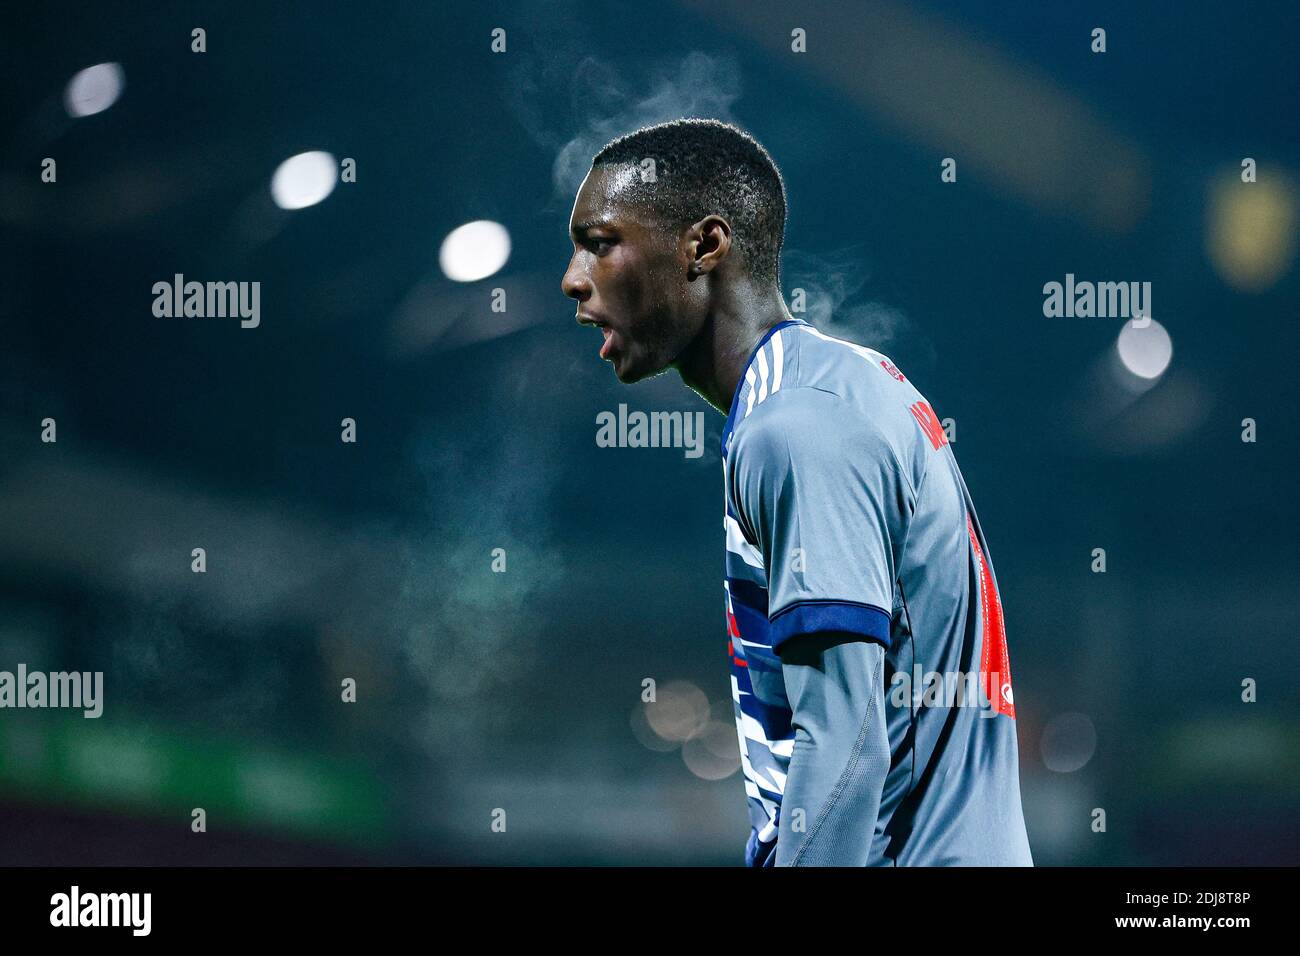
column 629, row 373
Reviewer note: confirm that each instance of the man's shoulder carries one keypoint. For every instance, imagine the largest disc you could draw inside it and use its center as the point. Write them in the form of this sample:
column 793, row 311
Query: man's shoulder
column 808, row 423
column 833, row 402
column 835, row 364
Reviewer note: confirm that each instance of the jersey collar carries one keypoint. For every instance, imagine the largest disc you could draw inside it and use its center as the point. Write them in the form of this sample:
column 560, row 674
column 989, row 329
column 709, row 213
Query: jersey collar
column 740, row 386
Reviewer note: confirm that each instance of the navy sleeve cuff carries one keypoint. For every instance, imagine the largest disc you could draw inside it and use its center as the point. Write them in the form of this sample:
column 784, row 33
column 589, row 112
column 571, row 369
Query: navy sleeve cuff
column 821, row 617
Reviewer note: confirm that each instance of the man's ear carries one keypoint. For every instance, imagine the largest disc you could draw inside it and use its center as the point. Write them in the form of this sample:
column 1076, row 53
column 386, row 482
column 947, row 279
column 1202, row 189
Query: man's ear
column 709, row 244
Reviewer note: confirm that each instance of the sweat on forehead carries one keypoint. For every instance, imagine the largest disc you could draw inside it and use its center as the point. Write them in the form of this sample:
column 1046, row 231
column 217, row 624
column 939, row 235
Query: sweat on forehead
column 617, row 178
column 615, row 190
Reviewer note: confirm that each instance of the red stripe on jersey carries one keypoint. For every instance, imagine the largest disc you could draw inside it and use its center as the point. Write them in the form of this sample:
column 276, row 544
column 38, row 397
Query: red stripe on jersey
column 995, row 661
column 731, row 652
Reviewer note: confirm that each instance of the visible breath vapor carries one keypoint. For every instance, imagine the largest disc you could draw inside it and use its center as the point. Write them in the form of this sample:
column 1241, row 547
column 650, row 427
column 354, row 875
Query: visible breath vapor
column 466, row 633
column 604, row 103
column 829, row 281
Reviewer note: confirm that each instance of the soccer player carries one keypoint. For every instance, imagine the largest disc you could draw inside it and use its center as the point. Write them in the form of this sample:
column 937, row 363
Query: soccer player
column 869, row 662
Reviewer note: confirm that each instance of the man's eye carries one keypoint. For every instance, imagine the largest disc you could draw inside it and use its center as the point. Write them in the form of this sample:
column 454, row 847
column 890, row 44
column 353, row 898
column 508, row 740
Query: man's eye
column 599, row 246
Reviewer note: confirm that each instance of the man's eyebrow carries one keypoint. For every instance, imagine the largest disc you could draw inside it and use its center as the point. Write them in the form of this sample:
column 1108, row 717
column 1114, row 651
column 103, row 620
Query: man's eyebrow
column 581, row 227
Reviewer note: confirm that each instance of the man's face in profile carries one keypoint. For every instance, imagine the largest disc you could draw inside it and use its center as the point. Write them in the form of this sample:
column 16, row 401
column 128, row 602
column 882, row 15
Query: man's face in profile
column 629, row 277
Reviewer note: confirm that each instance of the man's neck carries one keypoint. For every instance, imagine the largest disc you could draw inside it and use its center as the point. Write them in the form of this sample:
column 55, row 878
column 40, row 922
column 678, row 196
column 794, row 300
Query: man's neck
column 713, row 363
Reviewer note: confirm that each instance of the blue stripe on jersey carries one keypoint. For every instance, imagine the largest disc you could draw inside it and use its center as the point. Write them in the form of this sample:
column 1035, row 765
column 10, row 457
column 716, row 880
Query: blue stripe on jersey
column 749, row 604
column 821, row 617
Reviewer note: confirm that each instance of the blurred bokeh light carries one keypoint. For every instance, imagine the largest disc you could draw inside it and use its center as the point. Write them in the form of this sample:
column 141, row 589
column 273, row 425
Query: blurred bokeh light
column 474, row 251
column 304, row 180
column 94, row 89
column 1145, row 348
column 1251, row 229
column 1069, row 741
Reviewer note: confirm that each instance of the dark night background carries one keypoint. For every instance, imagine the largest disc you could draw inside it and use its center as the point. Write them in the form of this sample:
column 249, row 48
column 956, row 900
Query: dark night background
column 476, row 429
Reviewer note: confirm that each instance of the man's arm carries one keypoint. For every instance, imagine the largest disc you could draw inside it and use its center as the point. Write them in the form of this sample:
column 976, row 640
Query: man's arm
column 841, row 750
column 820, row 493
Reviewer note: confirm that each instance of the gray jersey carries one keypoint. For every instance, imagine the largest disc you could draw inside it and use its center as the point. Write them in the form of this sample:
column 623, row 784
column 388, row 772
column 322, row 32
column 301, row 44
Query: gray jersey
column 846, row 513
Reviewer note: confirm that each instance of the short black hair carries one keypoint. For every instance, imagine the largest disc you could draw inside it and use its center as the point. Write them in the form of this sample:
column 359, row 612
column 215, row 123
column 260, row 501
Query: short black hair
column 703, row 167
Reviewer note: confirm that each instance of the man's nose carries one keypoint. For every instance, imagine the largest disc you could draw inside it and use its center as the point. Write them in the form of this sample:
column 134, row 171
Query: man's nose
column 575, row 284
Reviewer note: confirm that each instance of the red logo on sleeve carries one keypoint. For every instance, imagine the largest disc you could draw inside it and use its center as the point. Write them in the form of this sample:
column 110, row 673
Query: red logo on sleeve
column 929, row 423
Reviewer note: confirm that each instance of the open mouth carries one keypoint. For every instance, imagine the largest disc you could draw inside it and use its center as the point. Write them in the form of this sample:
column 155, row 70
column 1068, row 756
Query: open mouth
column 607, row 347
